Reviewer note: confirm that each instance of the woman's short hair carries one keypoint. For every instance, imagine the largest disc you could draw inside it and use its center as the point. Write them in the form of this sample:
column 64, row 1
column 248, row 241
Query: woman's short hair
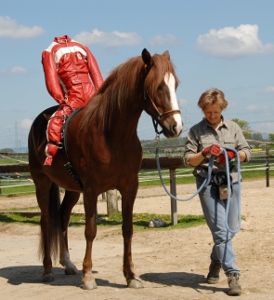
column 213, row 97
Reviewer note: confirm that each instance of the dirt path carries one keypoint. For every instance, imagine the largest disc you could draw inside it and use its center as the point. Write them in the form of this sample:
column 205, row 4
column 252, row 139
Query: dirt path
column 171, row 263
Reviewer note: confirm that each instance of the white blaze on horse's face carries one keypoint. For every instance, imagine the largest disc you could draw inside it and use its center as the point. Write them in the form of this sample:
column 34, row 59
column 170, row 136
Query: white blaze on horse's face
column 170, row 82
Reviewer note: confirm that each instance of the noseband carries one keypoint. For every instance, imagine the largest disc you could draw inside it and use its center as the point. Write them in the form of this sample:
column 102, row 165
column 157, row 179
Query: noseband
column 159, row 115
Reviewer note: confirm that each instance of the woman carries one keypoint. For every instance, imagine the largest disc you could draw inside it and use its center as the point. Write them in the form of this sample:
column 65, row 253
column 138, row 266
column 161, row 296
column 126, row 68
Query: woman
column 204, row 140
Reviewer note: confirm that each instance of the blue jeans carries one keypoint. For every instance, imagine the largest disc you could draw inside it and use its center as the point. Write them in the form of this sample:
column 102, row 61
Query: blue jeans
column 214, row 211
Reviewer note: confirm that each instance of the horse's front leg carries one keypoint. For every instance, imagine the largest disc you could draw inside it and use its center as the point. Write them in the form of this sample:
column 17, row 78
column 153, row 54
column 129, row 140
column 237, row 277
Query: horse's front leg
column 128, row 198
column 90, row 203
column 69, row 201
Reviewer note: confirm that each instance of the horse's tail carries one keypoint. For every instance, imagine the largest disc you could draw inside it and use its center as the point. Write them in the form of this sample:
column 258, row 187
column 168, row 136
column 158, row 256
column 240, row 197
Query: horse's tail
column 56, row 240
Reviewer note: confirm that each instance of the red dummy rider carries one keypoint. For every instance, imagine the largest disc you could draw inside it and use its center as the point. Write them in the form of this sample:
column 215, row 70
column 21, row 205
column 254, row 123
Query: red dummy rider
column 72, row 76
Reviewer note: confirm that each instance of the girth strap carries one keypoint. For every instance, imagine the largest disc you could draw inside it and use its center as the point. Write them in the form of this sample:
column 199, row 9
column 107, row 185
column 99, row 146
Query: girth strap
column 67, row 164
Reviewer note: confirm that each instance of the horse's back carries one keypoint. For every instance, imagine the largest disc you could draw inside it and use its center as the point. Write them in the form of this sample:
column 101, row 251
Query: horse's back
column 38, row 128
column 37, row 134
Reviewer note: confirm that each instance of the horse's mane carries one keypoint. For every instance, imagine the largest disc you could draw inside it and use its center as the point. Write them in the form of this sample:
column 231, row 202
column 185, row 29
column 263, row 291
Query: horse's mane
column 112, row 94
column 120, row 85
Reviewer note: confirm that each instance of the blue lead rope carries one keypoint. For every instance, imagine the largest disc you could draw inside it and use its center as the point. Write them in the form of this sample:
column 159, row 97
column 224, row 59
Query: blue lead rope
column 207, row 181
column 229, row 189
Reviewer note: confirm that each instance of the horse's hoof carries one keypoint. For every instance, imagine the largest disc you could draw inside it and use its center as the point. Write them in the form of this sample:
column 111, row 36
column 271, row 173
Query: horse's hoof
column 135, row 284
column 48, row 277
column 71, row 271
column 90, row 285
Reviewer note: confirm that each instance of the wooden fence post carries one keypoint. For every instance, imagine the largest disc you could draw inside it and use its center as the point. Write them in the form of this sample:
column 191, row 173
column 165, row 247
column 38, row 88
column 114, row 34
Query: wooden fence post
column 267, row 166
column 173, row 202
column 112, row 205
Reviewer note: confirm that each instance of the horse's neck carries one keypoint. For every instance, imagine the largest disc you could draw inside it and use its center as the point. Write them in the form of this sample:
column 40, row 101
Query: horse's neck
column 124, row 127
column 123, row 119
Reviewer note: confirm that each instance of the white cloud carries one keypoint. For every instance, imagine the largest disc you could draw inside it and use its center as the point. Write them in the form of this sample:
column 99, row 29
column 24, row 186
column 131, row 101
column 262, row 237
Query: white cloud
column 14, row 70
column 108, row 39
column 26, row 123
column 168, row 39
column 10, row 28
column 256, row 108
column 18, row 70
column 230, row 42
column 269, row 89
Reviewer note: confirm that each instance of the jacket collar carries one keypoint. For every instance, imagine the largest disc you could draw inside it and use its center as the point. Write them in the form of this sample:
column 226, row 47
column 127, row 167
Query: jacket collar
column 62, row 39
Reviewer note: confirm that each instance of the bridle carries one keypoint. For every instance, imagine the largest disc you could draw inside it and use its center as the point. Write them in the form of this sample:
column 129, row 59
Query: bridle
column 159, row 115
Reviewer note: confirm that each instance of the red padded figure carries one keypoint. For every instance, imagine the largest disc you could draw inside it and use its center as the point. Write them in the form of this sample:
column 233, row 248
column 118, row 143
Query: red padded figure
column 72, row 76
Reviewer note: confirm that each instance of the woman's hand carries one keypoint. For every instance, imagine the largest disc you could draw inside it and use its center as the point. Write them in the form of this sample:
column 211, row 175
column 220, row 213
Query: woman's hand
column 212, row 150
column 221, row 159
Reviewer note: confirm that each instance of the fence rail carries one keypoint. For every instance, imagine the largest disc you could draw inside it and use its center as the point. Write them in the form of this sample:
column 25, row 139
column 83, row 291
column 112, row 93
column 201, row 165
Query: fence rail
column 168, row 164
column 13, row 173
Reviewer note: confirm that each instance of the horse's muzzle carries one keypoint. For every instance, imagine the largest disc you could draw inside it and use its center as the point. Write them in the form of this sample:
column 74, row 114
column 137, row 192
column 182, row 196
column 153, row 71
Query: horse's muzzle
column 172, row 127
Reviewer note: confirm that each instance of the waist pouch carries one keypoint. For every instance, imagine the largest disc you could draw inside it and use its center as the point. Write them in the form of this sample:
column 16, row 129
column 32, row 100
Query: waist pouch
column 220, row 179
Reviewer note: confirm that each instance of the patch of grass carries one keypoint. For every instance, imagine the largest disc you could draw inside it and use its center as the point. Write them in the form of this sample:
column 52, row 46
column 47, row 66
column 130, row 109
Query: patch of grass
column 157, row 182
column 254, row 175
column 18, row 191
column 140, row 221
column 19, row 218
column 248, row 175
column 33, row 218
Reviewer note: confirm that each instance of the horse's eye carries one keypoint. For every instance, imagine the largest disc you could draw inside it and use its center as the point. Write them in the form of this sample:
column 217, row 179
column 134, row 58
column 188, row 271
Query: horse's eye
column 160, row 88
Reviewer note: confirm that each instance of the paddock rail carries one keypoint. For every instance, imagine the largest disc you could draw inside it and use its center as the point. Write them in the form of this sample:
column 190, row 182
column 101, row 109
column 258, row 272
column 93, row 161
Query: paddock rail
column 170, row 163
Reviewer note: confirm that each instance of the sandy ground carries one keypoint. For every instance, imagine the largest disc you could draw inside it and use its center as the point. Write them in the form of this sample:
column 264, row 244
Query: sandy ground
column 172, row 264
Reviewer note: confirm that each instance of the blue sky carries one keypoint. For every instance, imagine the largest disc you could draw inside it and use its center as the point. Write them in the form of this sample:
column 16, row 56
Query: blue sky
column 224, row 44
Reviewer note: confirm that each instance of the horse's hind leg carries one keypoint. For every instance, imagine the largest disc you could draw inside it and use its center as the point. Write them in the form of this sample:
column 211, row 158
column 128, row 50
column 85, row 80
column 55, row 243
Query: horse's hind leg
column 48, row 200
column 70, row 199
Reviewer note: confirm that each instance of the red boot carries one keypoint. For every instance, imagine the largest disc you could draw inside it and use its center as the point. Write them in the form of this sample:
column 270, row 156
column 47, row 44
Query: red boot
column 50, row 151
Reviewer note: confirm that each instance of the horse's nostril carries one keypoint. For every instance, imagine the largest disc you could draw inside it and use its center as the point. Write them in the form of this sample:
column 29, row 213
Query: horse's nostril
column 177, row 129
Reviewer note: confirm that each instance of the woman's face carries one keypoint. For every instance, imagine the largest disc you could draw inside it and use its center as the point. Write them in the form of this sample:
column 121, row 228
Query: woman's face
column 213, row 114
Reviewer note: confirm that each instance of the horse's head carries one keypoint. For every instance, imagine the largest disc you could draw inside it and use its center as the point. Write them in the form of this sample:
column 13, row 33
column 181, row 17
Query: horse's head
column 160, row 93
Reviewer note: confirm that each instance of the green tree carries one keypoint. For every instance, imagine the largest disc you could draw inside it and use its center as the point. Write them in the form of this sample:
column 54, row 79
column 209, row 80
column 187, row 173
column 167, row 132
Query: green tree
column 257, row 136
column 271, row 136
column 245, row 127
column 6, row 150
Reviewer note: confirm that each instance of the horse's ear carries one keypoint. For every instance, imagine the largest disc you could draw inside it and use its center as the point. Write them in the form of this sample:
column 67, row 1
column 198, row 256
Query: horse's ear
column 146, row 57
column 166, row 54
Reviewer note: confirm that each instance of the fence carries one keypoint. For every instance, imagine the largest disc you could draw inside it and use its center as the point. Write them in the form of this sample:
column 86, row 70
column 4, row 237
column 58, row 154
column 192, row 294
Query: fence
column 171, row 165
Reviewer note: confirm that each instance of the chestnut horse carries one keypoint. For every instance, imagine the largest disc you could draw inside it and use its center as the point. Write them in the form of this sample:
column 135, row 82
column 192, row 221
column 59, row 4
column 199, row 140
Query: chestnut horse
column 105, row 153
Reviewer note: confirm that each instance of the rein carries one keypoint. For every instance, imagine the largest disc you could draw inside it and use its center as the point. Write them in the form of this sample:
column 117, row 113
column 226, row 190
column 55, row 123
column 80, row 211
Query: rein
column 207, row 181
